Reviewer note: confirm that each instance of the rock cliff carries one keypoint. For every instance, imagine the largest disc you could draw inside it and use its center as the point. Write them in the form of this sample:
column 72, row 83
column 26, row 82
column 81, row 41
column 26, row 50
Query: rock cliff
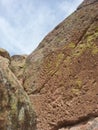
column 56, row 86
column 61, row 75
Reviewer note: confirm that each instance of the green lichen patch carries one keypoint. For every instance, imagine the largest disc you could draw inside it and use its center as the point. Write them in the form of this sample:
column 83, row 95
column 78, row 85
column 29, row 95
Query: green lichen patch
column 21, row 116
column 13, row 105
column 78, row 84
column 95, row 50
column 79, row 50
column 71, row 45
column 59, row 59
column 75, row 91
column 52, row 62
column 90, row 38
column 76, row 87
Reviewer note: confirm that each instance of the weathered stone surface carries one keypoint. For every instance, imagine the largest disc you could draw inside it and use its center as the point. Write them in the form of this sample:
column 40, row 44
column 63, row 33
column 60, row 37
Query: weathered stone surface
column 92, row 124
column 61, row 75
column 16, row 112
column 4, row 53
column 87, row 3
column 69, row 31
column 18, row 65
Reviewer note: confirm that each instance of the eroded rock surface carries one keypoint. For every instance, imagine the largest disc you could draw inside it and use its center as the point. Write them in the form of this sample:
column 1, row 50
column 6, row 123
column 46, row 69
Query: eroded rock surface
column 4, row 53
column 92, row 124
column 16, row 111
column 69, row 31
column 87, row 3
column 18, row 65
column 61, row 76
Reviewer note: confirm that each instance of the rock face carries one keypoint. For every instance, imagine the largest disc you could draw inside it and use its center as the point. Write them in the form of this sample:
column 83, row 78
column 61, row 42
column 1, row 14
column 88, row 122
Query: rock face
column 18, row 65
column 58, row 81
column 87, row 2
column 61, row 75
column 4, row 53
column 92, row 124
column 16, row 111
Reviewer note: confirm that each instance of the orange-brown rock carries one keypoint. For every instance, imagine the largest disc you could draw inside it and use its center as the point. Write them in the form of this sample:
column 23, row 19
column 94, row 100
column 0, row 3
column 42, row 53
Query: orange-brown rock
column 58, row 81
column 61, row 75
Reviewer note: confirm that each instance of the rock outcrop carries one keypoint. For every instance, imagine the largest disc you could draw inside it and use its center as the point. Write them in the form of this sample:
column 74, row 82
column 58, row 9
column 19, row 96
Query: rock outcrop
column 91, row 124
column 61, row 76
column 16, row 111
column 18, row 66
column 4, row 53
column 58, row 82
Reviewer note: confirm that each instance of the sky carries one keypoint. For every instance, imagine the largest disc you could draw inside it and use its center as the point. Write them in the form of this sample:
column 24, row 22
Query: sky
column 24, row 23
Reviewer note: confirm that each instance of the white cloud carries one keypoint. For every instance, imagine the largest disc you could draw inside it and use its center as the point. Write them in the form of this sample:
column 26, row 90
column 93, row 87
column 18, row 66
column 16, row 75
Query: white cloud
column 8, row 33
column 69, row 6
column 23, row 23
column 6, row 3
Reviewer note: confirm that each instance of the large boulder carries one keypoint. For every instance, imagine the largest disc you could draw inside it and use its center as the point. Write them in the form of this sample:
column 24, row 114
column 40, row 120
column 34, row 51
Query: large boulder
column 16, row 111
column 61, row 75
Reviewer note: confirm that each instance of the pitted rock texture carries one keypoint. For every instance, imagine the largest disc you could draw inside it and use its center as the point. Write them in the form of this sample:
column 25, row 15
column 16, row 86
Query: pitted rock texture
column 16, row 111
column 61, row 75
column 18, row 65
column 69, row 31
column 58, row 81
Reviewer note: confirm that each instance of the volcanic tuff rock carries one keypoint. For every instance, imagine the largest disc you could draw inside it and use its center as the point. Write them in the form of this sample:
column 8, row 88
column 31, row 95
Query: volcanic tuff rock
column 16, row 111
column 61, row 75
